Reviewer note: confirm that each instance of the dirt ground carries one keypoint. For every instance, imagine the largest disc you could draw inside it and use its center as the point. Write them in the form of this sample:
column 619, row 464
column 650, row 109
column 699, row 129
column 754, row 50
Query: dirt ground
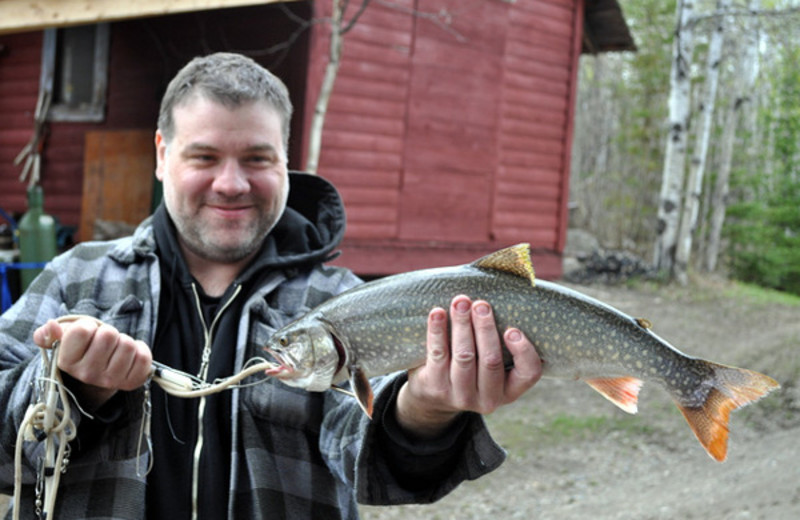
column 573, row 455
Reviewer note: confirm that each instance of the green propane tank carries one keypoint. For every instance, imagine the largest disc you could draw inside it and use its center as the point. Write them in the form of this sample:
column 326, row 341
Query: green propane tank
column 37, row 236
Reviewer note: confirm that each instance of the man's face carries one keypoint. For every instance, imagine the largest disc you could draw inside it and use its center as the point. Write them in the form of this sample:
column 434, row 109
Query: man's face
column 225, row 178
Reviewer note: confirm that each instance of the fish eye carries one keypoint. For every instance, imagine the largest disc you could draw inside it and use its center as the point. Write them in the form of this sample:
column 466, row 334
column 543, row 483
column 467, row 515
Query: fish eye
column 284, row 341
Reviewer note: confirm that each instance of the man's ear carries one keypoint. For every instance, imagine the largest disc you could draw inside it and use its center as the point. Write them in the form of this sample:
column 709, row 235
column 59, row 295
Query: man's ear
column 161, row 155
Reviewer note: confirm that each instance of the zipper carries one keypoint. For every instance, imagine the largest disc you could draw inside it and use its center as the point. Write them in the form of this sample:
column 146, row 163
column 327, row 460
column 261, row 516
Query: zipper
column 208, row 338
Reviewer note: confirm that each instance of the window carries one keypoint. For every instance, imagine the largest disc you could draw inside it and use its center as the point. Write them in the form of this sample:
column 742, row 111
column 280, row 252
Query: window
column 75, row 72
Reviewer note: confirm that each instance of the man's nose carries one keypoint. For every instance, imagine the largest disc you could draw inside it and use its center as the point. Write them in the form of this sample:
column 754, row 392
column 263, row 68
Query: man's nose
column 231, row 179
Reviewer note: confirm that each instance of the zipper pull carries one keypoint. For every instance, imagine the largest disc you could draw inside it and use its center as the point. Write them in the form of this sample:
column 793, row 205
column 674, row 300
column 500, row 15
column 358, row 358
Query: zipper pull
column 204, row 362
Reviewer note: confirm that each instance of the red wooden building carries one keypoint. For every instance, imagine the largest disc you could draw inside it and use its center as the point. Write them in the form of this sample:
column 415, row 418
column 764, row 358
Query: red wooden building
column 448, row 131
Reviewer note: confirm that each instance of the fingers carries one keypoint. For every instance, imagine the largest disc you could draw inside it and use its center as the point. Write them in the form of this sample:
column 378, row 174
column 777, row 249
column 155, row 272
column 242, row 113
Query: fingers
column 527, row 368
column 47, row 334
column 478, row 379
column 438, row 352
column 491, row 370
column 103, row 357
column 75, row 342
column 463, row 368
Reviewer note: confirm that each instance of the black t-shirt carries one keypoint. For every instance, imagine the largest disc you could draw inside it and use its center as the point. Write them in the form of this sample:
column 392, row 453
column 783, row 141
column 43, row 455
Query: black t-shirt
column 179, row 343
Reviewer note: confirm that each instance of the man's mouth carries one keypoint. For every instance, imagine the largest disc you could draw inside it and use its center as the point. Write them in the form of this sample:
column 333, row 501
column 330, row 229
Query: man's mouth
column 231, row 211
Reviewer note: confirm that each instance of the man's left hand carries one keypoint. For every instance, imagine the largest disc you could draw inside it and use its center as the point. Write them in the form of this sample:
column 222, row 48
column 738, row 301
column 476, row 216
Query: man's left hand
column 464, row 370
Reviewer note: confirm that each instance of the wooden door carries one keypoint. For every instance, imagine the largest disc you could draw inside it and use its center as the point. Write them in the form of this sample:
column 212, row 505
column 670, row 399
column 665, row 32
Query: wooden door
column 118, row 178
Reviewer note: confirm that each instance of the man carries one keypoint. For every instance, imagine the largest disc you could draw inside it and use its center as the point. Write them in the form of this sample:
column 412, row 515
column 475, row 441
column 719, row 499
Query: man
column 230, row 256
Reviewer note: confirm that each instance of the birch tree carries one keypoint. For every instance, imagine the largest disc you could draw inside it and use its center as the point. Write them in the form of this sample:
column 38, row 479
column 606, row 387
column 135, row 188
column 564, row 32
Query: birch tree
column 694, row 185
column 743, row 83
column 675, row 153
column 338, row 29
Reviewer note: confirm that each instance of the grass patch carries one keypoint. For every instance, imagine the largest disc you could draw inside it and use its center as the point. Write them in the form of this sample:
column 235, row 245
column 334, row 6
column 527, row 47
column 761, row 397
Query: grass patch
column 757, row 295
column 519, row 436
column 703, row 290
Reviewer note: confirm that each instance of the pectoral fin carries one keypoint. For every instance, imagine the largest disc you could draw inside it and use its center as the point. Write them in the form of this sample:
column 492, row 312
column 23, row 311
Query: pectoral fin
column 622, row 391
column 361, row 388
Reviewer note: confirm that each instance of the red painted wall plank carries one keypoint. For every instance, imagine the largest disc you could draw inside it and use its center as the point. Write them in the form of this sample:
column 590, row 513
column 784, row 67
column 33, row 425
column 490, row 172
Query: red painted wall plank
column 363, row 141
column 538, row 86
column 19, row 82
column 367, row 178
column 367, row 123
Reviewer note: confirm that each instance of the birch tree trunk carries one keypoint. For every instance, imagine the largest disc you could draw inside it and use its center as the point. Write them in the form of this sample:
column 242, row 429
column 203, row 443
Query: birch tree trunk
column 675, row 153
column 328, row 80
column 746, row 74
column 694, row 185
column 338, row 29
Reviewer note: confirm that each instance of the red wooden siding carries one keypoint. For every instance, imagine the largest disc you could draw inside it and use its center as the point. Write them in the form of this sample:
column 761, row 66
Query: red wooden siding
column 19, row 84
column 451, row 139
column 536, row 122
column 450, row 142
column 364, row 133
column 448, row 139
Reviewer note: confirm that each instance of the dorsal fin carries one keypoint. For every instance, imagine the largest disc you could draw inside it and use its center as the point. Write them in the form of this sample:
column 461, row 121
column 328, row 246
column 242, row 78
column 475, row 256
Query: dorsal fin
column 515, row 260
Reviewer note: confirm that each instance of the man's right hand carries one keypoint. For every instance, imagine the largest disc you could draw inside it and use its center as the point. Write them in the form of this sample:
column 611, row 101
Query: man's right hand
column 99, row 357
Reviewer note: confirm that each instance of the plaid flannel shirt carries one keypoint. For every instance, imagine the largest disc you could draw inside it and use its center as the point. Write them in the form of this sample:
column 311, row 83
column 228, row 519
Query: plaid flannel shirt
column 295, row 454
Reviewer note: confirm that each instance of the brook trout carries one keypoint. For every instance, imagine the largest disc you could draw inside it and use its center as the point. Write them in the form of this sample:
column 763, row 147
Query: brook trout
column 380, row 327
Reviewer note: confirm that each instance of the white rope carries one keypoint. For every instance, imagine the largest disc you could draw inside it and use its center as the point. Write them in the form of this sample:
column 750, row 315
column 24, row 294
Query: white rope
column 49, row 420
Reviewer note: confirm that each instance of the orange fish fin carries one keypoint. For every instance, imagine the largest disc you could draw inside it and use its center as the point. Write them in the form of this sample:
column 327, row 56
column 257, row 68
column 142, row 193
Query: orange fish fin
column 733, row 388
column 622, row 391
column 362, row 389
column 514, row 259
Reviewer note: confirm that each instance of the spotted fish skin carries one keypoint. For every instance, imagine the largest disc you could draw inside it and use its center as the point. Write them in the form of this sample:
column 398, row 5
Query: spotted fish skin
column 380, row 327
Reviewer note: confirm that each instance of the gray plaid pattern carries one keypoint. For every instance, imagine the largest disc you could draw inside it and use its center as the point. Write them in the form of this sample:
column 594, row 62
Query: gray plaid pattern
column 295, row 455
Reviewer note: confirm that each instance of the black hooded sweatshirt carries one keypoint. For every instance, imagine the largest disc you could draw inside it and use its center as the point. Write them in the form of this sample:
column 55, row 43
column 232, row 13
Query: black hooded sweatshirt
column 309, row 230
column 306, row 235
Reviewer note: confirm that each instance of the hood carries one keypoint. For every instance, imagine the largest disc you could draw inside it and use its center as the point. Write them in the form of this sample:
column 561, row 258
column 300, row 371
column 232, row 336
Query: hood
column 312, row 226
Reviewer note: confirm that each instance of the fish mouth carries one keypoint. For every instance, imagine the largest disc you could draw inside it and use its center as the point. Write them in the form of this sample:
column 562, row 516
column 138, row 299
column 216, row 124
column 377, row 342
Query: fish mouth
column 284, row 366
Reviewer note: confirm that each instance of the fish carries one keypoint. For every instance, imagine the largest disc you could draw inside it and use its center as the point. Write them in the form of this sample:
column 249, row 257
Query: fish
column 379, row 327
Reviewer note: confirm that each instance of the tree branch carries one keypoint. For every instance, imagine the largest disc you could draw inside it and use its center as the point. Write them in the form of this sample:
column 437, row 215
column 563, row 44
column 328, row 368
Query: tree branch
column 739, row 12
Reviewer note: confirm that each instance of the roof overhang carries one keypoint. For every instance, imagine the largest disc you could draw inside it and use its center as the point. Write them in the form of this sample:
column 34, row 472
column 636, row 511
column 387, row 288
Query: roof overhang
column 32, row 15
column 605, row 28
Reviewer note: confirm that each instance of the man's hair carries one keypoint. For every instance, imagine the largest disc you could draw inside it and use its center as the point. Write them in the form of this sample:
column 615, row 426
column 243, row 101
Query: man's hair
column 229, row 79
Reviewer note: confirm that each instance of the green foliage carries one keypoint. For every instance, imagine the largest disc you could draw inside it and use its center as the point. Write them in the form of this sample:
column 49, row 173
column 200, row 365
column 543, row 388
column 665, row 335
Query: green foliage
column 764, row 225
column 628, row 92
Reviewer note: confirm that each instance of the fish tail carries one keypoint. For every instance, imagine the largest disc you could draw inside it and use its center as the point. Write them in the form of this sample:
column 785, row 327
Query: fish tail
column 731, row 388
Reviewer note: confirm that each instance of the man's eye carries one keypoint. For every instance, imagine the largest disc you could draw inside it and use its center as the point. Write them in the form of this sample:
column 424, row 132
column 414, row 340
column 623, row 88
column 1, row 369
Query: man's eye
column 261, row 159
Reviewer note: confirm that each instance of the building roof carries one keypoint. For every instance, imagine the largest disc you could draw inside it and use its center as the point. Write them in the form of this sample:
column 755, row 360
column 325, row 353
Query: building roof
column 605, row 28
